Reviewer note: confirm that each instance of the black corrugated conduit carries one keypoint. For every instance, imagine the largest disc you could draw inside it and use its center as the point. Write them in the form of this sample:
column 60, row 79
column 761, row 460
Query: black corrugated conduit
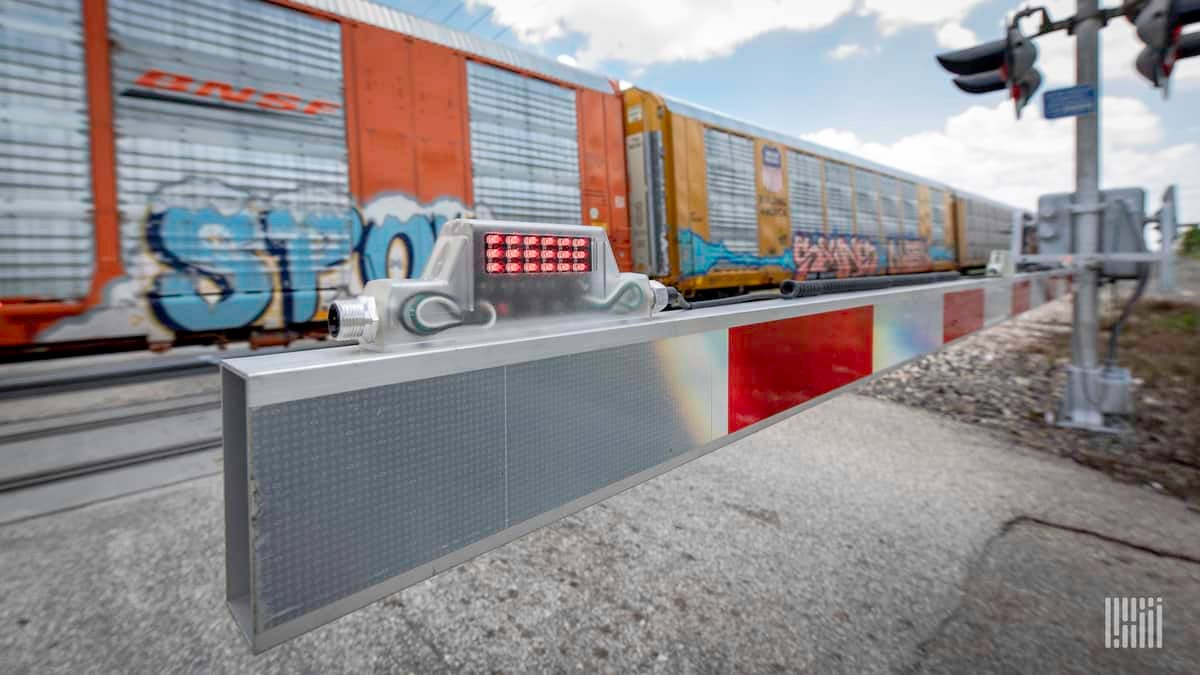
column 805, row 289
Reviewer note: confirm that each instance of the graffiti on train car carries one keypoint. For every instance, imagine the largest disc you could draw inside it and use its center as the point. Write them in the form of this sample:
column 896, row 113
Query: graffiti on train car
column 908, row 255
column 699, row 256
column 221, row 266
column 836, row 255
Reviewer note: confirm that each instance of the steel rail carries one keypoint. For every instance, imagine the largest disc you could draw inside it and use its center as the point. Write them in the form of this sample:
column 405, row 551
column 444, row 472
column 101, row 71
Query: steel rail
column 55, row 425
column 84, row 468
column 104, row 375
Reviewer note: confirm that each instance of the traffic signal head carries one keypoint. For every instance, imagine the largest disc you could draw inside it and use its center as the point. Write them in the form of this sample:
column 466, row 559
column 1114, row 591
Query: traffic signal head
column 996, row 65
column 1023, row 79
column 1160, row 25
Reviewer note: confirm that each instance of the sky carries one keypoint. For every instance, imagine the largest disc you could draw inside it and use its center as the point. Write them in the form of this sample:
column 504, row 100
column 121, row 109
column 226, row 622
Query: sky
column 860, row 76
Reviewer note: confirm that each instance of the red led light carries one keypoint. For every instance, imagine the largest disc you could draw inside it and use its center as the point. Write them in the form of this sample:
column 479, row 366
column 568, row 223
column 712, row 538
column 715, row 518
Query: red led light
column 533, row 253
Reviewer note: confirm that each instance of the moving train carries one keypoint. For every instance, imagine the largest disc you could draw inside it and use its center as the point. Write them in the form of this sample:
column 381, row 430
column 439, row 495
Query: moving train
column 223, row 169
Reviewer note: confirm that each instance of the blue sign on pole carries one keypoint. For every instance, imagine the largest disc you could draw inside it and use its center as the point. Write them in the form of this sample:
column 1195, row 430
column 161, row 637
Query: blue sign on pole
column 1069, row 102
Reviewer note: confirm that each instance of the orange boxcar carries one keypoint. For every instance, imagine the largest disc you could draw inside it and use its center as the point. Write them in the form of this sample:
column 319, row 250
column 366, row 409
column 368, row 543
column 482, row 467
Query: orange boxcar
column 230, row 173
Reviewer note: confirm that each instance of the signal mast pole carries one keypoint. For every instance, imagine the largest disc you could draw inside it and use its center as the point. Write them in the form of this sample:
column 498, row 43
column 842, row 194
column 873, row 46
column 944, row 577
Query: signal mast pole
column 1083, row 382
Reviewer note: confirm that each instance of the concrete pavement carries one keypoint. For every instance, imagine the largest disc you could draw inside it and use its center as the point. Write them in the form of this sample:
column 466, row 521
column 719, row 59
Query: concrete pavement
column 858, row 536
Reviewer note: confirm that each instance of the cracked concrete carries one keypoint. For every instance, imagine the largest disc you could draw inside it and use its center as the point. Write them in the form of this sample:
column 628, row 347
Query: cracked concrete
column 859, row 536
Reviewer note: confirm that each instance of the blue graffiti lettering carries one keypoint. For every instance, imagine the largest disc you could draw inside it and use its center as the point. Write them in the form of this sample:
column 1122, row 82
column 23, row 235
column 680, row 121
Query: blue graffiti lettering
column 221, row 268
column 305, row 250
column 416, row 234
column 205, row 245
column 698, row 256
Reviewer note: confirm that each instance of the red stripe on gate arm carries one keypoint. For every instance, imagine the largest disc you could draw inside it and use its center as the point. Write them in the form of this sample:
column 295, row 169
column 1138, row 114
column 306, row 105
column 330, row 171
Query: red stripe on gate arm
column 777, row 365
column 962, row 313
column 1020, row 297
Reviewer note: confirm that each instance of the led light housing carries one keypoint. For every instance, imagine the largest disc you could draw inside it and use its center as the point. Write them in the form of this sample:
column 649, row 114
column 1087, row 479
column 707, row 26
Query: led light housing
column 490, row 277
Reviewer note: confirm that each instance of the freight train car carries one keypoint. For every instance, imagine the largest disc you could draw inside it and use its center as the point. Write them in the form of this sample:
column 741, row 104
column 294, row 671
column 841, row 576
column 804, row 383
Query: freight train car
column 718, row 203
column 217, row 168
column 223, row 169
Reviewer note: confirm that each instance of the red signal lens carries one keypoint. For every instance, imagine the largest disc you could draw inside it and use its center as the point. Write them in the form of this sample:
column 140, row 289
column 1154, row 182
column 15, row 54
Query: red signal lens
column 508, row 253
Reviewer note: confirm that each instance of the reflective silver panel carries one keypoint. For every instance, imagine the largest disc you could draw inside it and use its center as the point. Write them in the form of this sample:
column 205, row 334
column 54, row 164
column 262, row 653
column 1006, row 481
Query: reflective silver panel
column 647, row 202
column 46, row 227
column 889, row 206
column 732, row 214
column 866, row 202
column 524, row 147
column 911, row 212
column 804, row 193
column 937, row 204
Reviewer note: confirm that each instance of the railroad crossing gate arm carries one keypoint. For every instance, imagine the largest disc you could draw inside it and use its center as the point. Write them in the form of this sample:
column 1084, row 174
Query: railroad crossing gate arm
column 351, row 474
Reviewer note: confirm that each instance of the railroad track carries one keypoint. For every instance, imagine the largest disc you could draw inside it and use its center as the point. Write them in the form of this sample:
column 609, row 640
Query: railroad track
column 65, row 380
column 52, row 448
column 63, row 446
column 53, row 425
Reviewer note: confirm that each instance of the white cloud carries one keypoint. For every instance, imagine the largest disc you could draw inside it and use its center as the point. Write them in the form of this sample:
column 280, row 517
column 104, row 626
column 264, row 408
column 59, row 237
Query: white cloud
column 845, row 51
column 955, row 36
column 567, row 59
column 641, row 32
column 894, row 15
column 986, row 150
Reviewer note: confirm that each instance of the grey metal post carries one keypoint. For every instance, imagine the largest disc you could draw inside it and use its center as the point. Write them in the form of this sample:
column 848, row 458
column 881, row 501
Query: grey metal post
column 1166, row 227
column 1016, row 239
column 1081, row 402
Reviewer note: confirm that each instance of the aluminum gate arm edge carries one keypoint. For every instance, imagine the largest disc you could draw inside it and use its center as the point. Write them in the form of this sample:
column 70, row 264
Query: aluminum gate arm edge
column 350, row 475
